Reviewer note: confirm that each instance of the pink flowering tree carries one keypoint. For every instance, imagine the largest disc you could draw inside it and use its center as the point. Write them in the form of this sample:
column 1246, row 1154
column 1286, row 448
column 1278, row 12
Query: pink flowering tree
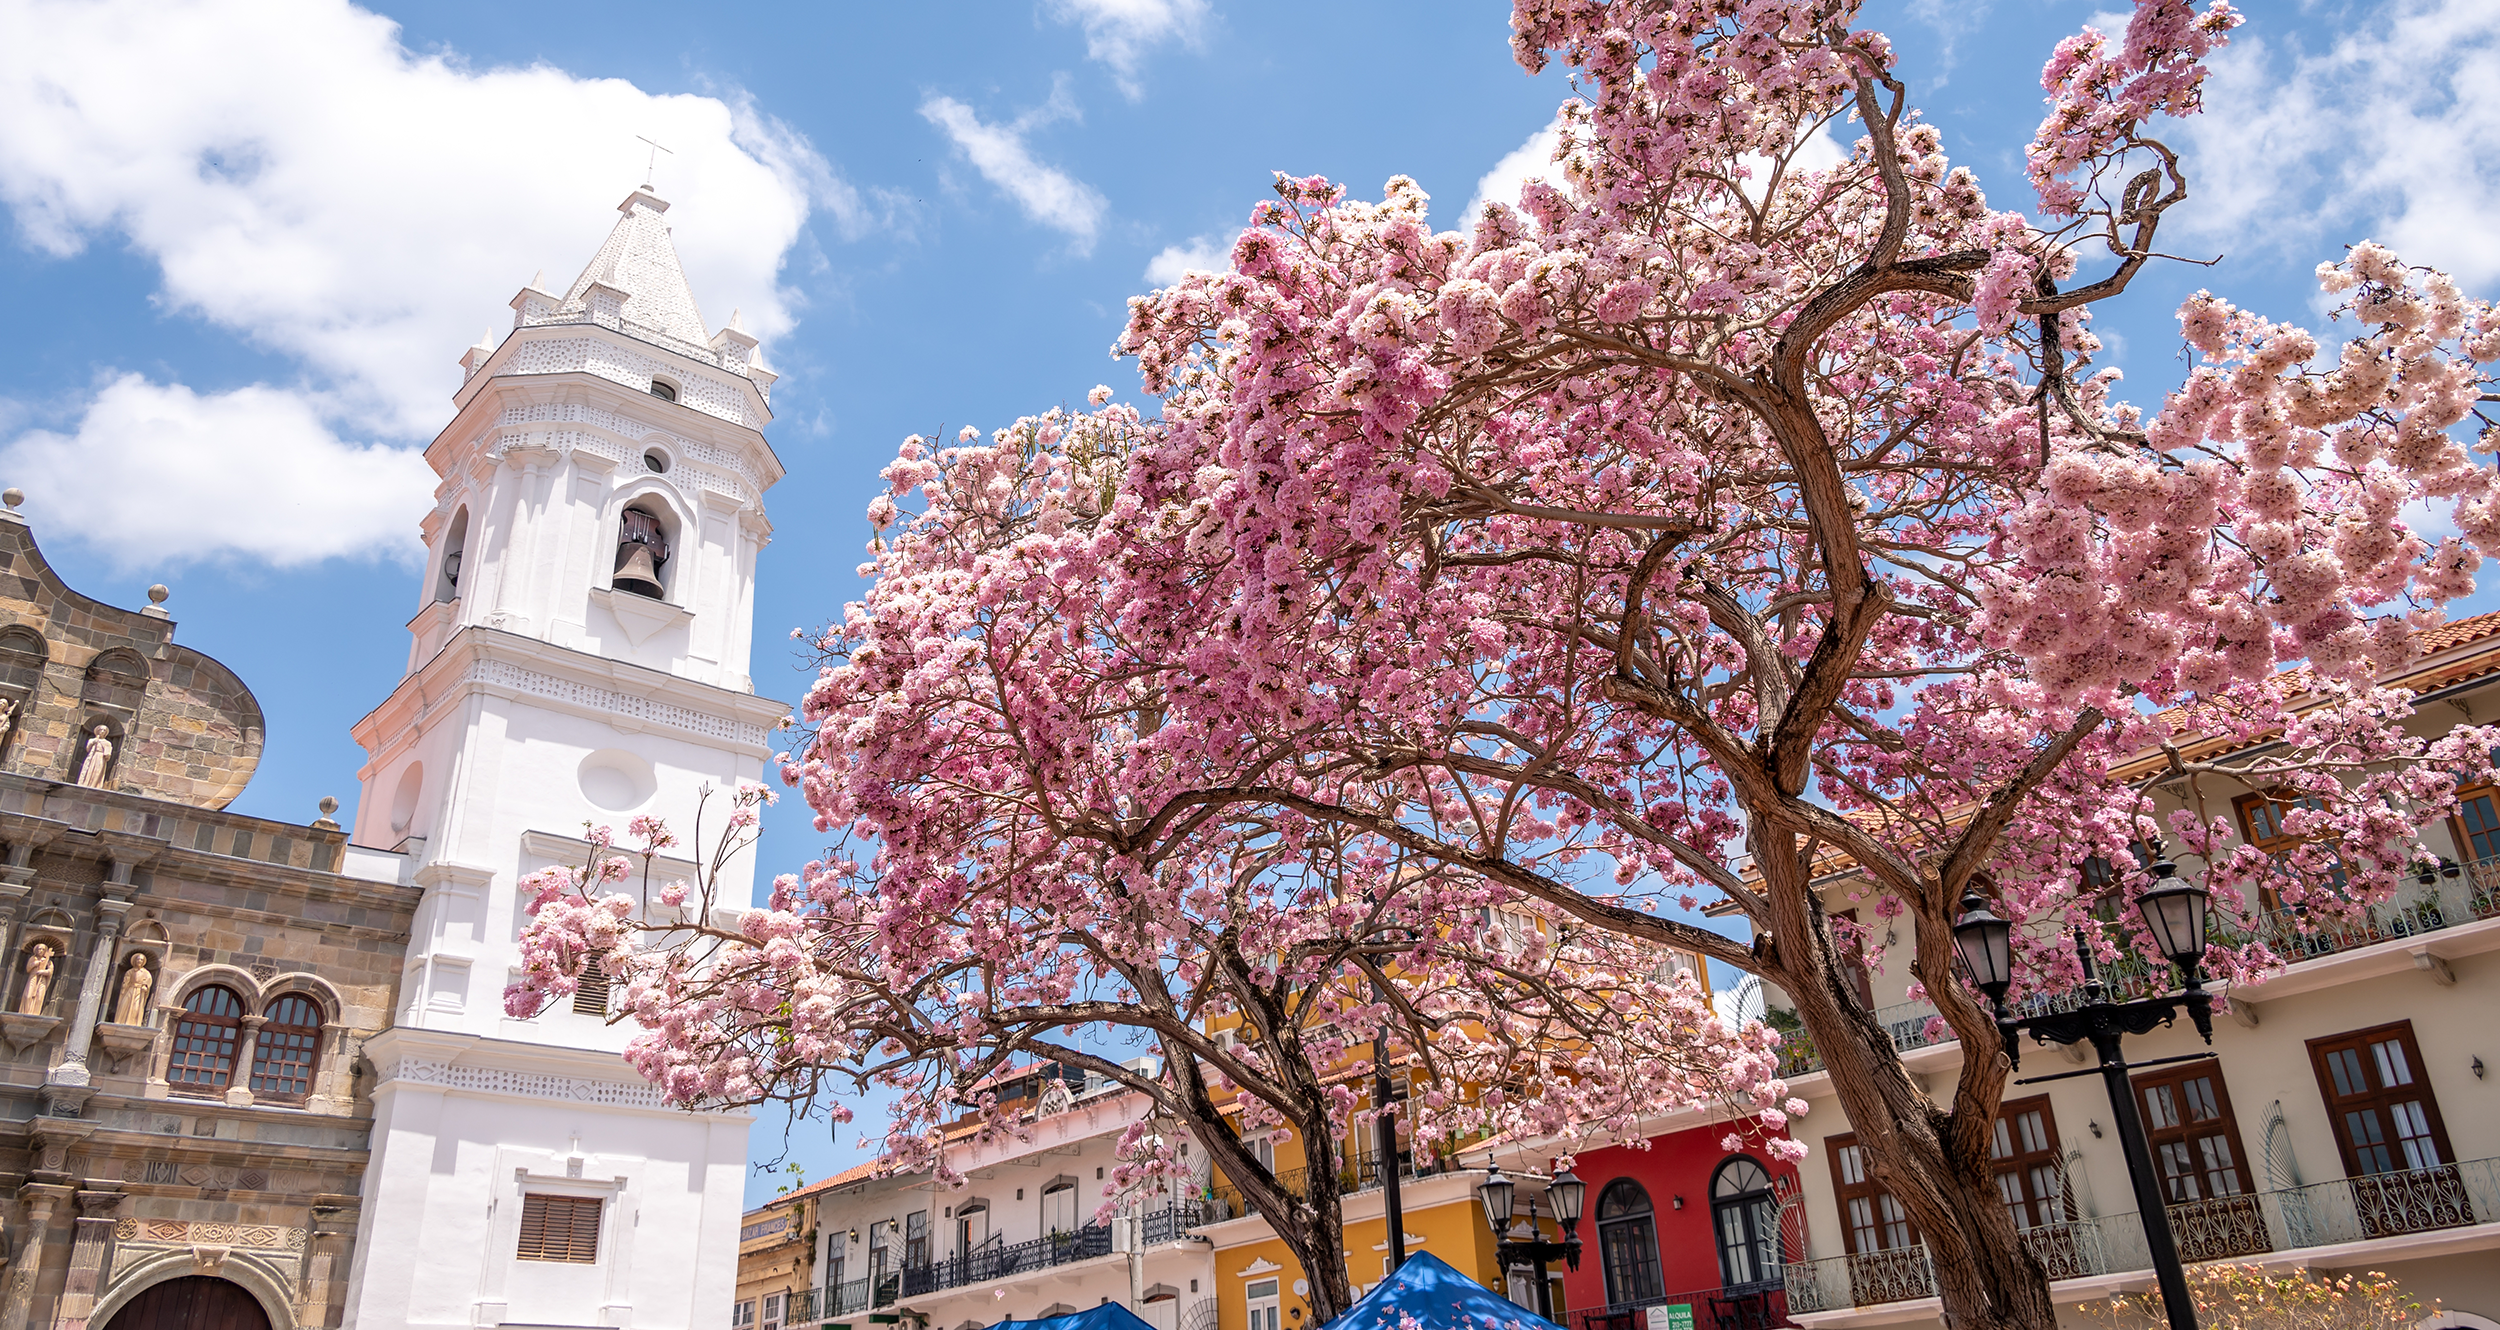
column 1703, row 531
column 1707, row 507
column 1267, row 965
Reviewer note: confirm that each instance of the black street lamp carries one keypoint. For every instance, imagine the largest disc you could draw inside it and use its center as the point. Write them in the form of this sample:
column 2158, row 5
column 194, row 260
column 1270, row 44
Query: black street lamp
column 1565, row 1190
column 2174, row 913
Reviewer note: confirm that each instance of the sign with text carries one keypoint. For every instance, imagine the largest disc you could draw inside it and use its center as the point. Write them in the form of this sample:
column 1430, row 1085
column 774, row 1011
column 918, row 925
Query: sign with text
column 1671, row 1316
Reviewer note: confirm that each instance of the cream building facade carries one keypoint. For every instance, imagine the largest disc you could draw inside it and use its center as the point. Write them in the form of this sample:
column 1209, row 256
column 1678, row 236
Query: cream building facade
column 2346, row 1117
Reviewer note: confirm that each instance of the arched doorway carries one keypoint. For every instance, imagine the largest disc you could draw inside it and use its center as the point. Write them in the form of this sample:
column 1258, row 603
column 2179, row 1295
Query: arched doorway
column 193, row 1302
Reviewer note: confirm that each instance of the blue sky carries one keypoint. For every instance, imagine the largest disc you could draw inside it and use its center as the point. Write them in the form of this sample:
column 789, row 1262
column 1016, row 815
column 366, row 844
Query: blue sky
column 248, row 240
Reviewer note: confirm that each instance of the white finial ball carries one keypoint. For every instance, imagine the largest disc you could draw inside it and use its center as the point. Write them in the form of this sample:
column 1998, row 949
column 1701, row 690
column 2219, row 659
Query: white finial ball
column 329, row 805
column 158, row 593
column 12, row 496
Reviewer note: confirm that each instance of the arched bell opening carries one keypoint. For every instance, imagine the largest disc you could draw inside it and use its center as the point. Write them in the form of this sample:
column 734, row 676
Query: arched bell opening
column 642, row 551
column 455, row 549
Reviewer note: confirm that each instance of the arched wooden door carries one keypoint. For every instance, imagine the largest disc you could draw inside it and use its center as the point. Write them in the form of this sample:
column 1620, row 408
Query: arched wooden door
column 193, row 1302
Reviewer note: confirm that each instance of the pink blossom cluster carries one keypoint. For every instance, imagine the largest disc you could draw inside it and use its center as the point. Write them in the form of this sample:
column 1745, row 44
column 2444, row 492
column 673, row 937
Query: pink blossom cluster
column 1699, row 525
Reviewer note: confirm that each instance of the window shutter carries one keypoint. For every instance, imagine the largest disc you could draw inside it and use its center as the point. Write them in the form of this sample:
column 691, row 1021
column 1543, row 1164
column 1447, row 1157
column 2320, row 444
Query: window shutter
column 560, row 1228
column 591, row 998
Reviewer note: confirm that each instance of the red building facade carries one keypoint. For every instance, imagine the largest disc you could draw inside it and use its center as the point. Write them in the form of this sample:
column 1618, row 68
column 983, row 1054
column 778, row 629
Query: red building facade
column 1683, row 1235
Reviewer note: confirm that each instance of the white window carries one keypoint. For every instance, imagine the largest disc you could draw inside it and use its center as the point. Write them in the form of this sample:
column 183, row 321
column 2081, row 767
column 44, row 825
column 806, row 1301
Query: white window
column 742, row 1315
column 1059, row 1208
column 1260, row 1147
column 1264, row 1305
column 772, row 1311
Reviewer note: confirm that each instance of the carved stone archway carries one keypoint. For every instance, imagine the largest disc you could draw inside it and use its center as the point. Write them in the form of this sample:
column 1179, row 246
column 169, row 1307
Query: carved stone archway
column 192, row 1302
column 264, row 1287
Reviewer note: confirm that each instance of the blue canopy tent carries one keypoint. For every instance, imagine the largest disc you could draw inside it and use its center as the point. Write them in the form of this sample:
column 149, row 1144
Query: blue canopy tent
column 1108, row 1316
column 1435, row 1297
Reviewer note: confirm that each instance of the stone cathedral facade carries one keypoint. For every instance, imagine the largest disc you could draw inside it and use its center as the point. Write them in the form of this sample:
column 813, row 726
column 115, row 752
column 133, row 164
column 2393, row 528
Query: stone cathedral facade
column 256, row 1073
column 188, row 991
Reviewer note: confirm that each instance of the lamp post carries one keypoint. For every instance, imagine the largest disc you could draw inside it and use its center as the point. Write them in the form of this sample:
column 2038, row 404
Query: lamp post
column 1566, row 1191
column 2174, row 912
column 1385, row 1143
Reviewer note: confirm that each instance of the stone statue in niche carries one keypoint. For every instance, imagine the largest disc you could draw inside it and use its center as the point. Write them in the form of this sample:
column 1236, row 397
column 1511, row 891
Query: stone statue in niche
column 8, row 719
column 137, row 982
column 38, row 980
column 98, row 761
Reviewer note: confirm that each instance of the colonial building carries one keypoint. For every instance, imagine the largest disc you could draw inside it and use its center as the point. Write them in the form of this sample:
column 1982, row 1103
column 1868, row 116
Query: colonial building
column 185, row 1108
column 260, row 1074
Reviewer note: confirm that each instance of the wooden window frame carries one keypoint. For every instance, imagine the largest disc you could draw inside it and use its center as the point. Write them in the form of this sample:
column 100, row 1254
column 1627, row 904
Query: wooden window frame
column 2184, row 1129
column 1870, row 1190
column 542, row 1240
column 270, row 1073
column 1755, row 1214
column 2274, row 846
column 1627, row 1232
column 2464, row 838
column 2022, row 1164
column 2382, row 1098
column 2214, row 1224
column 191, row 1026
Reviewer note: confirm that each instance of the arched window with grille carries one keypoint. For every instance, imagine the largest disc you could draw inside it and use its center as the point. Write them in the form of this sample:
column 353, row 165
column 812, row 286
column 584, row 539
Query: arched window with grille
column 287, row 1050
column 1627, row 1243
column 1746, row 1216
column 204, row 1042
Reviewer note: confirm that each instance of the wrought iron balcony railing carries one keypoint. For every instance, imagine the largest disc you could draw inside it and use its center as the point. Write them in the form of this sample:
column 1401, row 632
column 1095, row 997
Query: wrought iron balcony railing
column 2382, row 1205
column 999, row 1260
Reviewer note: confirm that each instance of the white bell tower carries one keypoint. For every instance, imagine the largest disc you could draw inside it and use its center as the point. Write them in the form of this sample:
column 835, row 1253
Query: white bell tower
column 579, row 655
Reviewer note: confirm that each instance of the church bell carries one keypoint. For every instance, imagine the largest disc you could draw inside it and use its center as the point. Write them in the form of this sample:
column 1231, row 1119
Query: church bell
column 640, row 550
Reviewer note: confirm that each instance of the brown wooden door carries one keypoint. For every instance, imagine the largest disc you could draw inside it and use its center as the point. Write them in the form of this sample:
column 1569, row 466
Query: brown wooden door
column 193, row 1302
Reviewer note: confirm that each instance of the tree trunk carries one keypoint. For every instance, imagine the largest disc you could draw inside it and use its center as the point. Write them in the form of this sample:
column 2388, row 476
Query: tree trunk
column 1985, row 1276
column 1932, row 1159
column 1309, row 1220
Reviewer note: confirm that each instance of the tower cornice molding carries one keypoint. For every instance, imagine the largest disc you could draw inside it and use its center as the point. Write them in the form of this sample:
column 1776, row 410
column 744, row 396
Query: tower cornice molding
column 583, row 402
column 525, row 354
column 481, row 660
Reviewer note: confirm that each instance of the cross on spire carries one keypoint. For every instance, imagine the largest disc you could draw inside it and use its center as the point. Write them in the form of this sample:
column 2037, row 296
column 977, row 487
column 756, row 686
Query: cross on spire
column 651, row 168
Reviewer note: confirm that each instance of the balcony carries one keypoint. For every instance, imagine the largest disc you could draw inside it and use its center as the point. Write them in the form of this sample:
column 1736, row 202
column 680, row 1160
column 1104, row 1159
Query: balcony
column 855, row 1296
column 2414, row 910
column 1755, row 1307
column 2323, row 1214
column 1360, row 1174
column 998, row 1261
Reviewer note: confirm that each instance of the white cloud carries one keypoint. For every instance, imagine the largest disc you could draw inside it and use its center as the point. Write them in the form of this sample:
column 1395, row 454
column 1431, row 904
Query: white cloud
column 1046, row 194
column 1532, row 160
column 305, row 182
column 1197, row 254
column 1820, row 152
column 172, row 476
column 2392, row 134
column 1120, row 32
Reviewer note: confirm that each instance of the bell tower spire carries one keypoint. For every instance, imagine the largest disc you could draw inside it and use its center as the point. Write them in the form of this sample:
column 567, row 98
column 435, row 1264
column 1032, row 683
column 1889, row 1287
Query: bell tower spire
column 579, row 656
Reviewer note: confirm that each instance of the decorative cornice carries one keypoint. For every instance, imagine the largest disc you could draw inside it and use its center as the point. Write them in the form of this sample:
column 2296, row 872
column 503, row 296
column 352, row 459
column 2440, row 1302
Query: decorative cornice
column 479, row 658
column 187, row 1232
column 616, row 705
